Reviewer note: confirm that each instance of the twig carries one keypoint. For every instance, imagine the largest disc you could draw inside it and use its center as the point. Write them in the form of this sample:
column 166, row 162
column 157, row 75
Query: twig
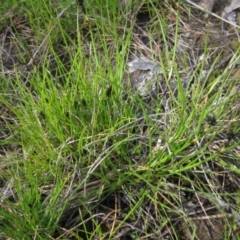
column 213, row 14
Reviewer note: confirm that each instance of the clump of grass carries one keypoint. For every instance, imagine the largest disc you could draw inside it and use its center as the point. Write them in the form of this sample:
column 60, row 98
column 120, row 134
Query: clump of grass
column 82, row 162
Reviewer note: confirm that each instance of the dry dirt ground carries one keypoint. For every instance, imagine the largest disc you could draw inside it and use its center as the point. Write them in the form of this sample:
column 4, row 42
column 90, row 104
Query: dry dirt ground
column 196, row 34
